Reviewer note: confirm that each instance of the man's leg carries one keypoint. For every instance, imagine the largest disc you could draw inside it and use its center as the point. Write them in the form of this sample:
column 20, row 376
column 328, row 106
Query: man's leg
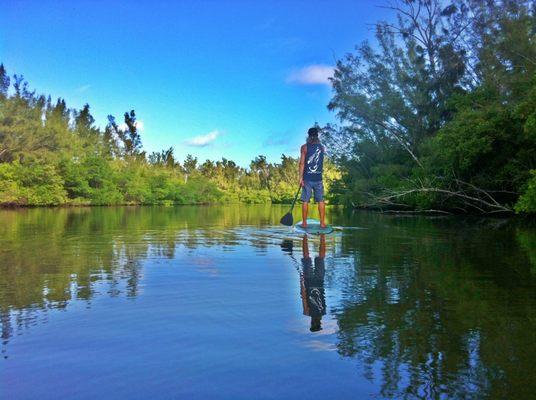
column 319, row 198
column 304, row 211
column 322, row 250
column 322, row 212
column 307, row 190
column 305, row 247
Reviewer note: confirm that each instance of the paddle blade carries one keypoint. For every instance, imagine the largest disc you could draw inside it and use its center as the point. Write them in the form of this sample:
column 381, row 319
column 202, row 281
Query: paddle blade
column 287, row 219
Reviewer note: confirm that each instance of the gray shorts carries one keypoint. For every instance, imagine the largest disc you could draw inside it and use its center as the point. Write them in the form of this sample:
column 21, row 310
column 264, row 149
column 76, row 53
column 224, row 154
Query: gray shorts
column 312, row 186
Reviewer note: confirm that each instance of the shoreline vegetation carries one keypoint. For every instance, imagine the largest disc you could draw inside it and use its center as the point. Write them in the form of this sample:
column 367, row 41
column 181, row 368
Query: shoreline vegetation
column 51, row 155
column 437, row 116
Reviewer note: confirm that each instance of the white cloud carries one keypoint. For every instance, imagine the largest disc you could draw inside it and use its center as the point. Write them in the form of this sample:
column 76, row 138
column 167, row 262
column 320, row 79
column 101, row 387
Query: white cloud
column 319, row 345
column 203, row 140
column 317, row 74
column 139, row 125
column 83, row 88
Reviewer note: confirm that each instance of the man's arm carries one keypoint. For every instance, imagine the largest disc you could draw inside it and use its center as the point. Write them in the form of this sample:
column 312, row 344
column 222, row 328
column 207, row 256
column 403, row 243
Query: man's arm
column 303, row 151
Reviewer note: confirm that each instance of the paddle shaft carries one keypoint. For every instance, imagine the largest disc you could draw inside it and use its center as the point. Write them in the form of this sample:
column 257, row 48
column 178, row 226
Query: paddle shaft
column 295, row 198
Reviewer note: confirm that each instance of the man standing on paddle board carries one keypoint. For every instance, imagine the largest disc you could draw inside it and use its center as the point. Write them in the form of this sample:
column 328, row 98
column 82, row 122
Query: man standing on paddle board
column 311, row 167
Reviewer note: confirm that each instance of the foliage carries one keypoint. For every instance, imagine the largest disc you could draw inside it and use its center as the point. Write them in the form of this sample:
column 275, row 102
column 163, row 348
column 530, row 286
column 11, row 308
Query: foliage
column 35, row 184
column 9, row 187
column 441, row 112
column 527, row 201
column 51, row 155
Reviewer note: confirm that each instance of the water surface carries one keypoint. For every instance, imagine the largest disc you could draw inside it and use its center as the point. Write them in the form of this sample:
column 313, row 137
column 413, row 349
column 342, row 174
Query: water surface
column 222, row 303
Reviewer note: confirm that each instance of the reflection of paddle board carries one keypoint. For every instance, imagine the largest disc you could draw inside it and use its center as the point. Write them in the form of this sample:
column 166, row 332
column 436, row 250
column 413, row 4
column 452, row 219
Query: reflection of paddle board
column 313, row 227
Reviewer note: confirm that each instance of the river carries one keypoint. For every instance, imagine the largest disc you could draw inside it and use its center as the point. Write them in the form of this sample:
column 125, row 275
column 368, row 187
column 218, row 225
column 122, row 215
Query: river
column 224, row 303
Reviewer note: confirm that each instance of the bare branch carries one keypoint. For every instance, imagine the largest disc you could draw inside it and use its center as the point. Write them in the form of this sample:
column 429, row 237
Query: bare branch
column 472, row 200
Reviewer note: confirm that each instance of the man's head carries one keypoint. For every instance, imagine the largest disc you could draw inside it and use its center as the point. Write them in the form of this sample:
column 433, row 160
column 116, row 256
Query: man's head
column 316, row 324
column 312, row 134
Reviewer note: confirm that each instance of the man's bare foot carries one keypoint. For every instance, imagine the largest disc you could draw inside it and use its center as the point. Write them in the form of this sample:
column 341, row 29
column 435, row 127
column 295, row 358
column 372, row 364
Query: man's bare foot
column 304, row 225
column 323, row 225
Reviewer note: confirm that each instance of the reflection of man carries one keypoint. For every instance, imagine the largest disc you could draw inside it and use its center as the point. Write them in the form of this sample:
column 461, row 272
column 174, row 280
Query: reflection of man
column 312, row 284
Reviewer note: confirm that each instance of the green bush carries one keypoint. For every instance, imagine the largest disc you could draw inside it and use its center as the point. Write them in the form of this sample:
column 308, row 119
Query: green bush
column 527, row 201
column 10, row 191
column 75, row 179
column 41, row 185
column 134, row 185
column 255, row 196
column 106, row 195
column 102, row 179
column 200, row 191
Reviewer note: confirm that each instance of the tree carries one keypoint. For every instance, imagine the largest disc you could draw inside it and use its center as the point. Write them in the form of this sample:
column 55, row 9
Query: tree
column 208, row 169
column 261, row 168
column 163, row 158
column 84, row 124
column 131, row 137
column 433, row 116
column 52, row 154
column 22, row 134
column 190, row 166
column 110, row 138
column 396, row 96
column 21, row 88
column 128, row 136
column 4, row 82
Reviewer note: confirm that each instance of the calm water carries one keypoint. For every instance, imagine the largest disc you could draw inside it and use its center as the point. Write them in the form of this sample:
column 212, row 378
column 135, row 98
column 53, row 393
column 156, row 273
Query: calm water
column 222, row 303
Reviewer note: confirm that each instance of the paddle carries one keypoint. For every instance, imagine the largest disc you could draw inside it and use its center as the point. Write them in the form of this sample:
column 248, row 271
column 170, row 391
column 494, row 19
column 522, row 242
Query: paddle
column 287, row 219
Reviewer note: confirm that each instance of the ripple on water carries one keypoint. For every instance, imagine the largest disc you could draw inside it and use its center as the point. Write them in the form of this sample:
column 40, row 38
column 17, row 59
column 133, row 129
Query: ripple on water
column 215, row 302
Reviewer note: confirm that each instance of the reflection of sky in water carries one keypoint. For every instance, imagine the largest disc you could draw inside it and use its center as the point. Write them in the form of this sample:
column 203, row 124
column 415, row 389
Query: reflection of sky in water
column 165, row 301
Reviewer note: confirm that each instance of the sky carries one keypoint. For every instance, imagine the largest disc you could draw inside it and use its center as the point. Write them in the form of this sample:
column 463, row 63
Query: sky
column 210, row 78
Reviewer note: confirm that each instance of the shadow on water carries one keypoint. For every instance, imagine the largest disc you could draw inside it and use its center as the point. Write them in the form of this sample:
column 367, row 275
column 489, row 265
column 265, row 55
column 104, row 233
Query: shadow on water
column 426, row 308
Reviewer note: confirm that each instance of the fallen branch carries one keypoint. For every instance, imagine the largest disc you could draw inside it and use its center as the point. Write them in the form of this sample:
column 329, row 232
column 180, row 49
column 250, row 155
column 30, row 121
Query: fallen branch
column 494, row 205
column 430, row 211
column 469, row 198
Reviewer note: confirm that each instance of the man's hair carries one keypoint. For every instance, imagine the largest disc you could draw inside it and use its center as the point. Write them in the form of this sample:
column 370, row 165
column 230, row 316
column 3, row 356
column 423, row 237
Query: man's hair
column 312, row 135
column 313, row 131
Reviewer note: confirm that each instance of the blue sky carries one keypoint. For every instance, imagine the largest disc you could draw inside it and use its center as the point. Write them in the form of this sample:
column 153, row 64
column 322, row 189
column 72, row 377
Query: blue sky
column 215, row 79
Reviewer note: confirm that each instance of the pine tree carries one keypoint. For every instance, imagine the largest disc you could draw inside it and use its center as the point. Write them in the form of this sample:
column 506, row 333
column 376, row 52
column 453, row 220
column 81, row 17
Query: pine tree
column 4, row 82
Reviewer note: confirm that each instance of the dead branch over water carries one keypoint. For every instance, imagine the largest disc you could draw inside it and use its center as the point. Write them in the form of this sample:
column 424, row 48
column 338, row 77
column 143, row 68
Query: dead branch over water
column 466, row 198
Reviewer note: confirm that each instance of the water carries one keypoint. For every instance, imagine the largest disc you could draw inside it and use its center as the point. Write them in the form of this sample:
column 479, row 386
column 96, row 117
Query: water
column 222, row 303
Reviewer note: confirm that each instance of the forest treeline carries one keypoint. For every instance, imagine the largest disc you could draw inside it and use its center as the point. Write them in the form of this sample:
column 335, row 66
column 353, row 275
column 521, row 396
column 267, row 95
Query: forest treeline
column 51, row 154
column 440, row 112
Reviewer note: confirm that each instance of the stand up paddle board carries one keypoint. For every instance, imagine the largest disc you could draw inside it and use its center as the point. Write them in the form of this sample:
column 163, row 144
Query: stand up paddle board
column 313, row 227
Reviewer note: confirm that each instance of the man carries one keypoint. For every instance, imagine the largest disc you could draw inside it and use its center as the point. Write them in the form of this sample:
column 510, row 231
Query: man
column 311, row 166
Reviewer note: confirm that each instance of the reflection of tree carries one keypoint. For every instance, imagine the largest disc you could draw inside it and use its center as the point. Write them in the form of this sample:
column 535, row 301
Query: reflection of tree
column 527, row 240
column 431, row 308
column 439, row 312
column 51, row 257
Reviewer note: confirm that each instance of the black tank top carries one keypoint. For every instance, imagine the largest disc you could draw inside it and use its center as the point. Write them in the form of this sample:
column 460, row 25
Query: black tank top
column 314, row 162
